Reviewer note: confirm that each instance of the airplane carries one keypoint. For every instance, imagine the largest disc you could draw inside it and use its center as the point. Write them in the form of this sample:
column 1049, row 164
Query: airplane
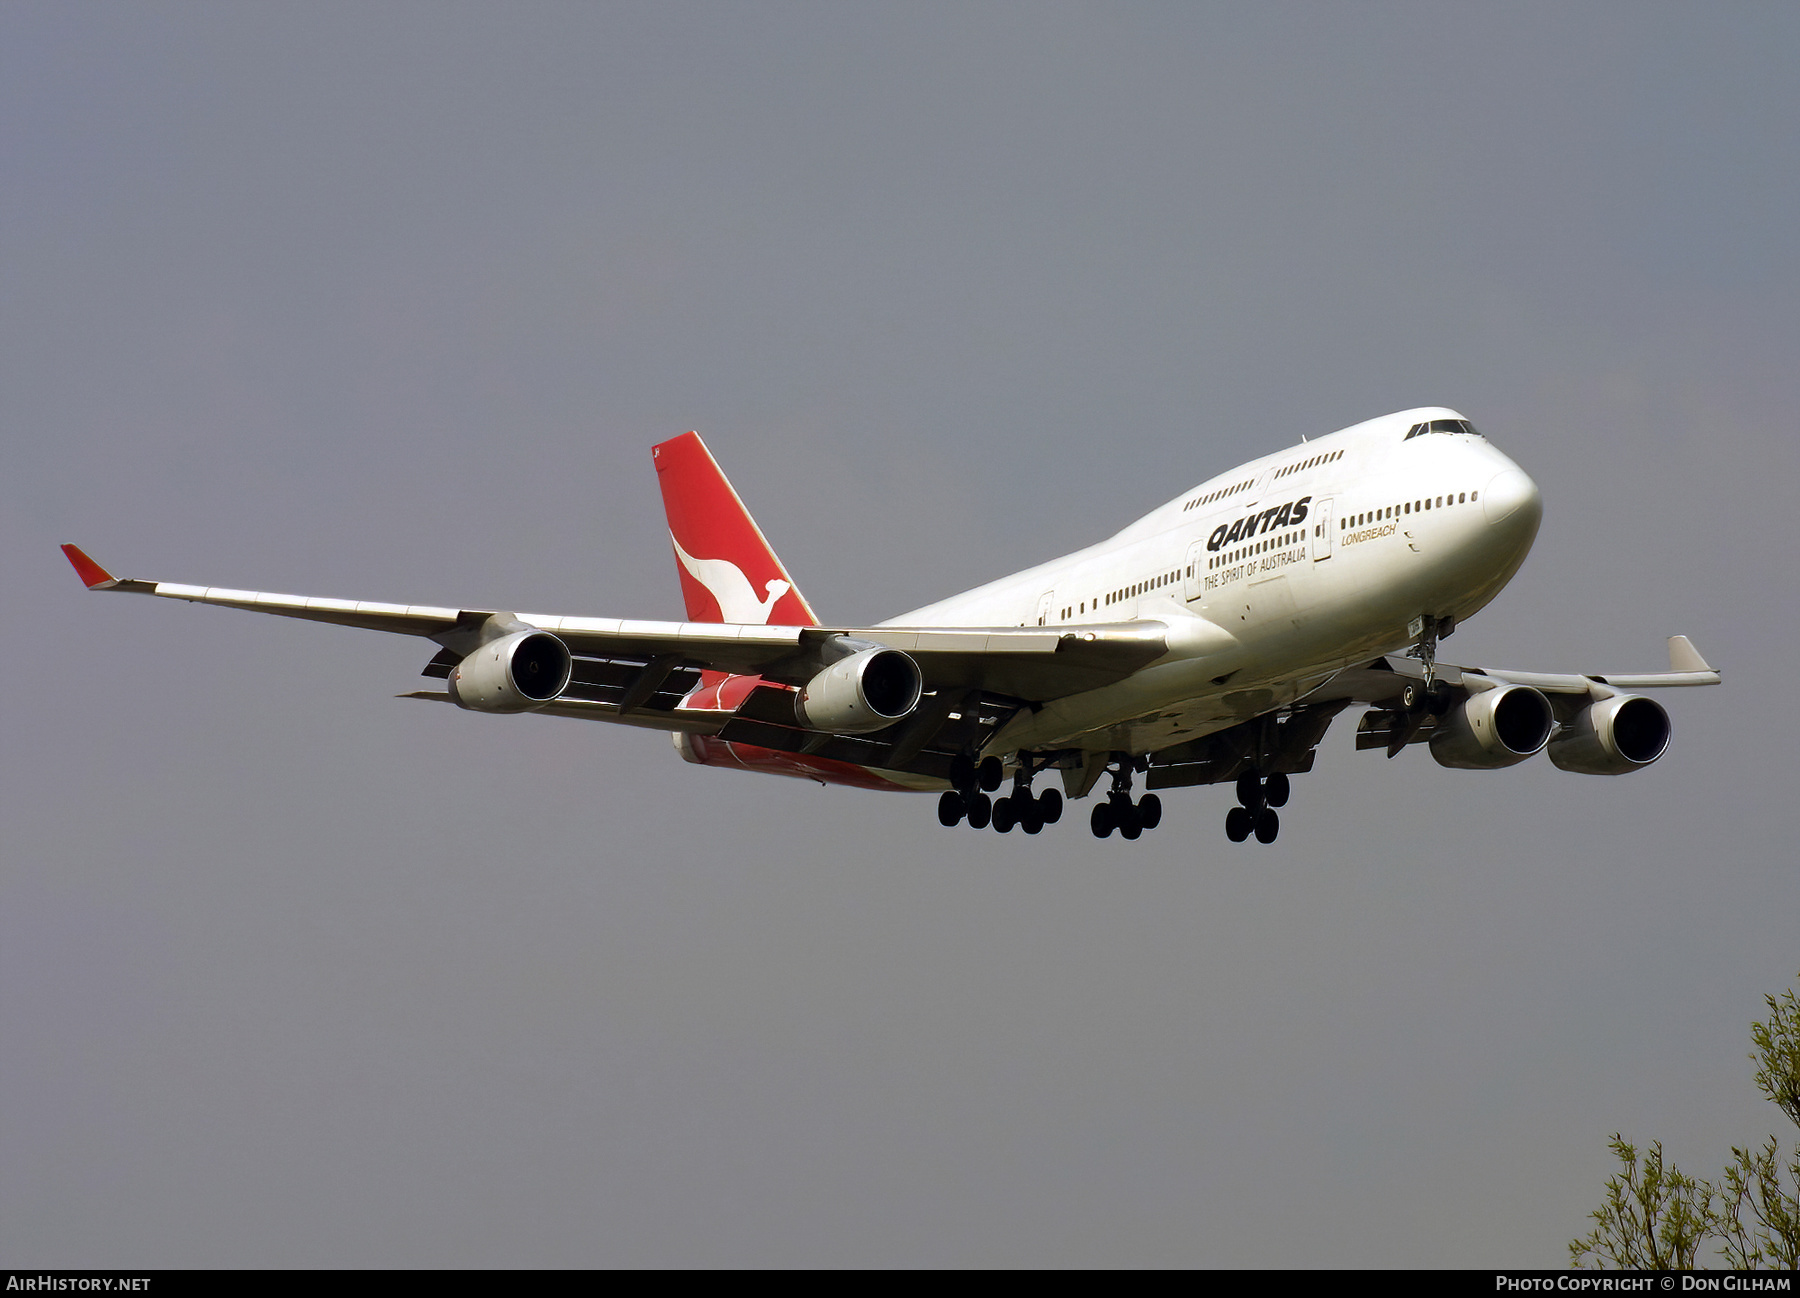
column 1214, row 640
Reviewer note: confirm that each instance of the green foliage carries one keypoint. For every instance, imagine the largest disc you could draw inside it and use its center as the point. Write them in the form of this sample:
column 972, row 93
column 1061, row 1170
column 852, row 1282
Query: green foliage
column 1778, row 1053
column 1656, row 1217
column 1757, row 1220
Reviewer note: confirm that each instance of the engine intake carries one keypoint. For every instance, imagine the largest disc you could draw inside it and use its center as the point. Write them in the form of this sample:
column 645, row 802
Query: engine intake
column 864, row 692
column 1498, row 727
column 1612, row 737
column 516, row 673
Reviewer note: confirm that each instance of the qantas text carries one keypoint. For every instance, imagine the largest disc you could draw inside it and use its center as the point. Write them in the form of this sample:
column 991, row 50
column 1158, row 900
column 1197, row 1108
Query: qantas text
column 1281, row 516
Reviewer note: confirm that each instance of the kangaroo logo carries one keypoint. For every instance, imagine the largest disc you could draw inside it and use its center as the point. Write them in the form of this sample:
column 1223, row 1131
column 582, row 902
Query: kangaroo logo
column 731, row 589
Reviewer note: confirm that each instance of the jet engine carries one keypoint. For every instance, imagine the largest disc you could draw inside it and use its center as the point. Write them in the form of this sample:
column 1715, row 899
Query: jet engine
column 1612, row 737
column 516, row 673
column 864, row 692
column 1495, row 728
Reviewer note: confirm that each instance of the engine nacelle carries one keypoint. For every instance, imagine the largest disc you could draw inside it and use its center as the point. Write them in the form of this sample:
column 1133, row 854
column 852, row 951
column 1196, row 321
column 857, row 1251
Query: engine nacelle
column 1612, row 737
column 1495, row 728
column 864, row 692
column 516, row 673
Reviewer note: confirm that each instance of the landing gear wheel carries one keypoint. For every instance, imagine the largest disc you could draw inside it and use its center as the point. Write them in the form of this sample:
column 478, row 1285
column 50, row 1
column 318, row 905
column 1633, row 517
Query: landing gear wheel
column 1005, row 815
column 989, row 773
column 1126, row 817
column 1276, row 790
column 1031, row 820
column 1101, row 821
column 1050, row 806
column 1438, row 699
column 1149, row 810
column 1250, row 790
column 1268, row 824
column 1238, row 824
column 950, row 808
column 962, row 773
column 981, row 810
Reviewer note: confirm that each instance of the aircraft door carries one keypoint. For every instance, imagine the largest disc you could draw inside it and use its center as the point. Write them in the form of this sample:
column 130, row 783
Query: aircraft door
column 1195, row 569
column 1323, row 527
column 1046, row 609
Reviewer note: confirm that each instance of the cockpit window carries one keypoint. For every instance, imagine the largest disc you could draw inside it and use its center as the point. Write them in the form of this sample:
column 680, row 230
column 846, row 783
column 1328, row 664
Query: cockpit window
column 1440, row 426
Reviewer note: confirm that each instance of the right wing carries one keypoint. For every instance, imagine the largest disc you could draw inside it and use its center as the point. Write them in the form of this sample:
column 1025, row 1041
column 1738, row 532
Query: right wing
column 637, row 672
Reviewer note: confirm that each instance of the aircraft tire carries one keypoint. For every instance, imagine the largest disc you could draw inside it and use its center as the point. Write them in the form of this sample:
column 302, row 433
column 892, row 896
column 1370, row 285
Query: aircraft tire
column 962, row 773
column 1005, row 816
column 1238, row 824
column 950, row 808
column 990, row 773
column 1101, row 821
column 1250, row 790
column 1129, row 829
column 1276, row 789
column 981, row 810
column 1149, row 810
column 1030, row 820
column 1050, row 806
column 1268, row 824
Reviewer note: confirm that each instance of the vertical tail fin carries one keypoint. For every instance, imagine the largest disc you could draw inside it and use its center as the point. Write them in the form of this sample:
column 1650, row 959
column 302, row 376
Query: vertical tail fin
column 728, row 570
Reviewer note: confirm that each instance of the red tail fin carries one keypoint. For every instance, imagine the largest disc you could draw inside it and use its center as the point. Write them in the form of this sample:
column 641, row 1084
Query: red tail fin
column 729, row 572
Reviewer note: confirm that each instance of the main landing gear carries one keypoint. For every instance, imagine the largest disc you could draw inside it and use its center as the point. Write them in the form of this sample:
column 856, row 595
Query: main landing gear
column 1255, row 812
column 1118, row 812
column 969, row 798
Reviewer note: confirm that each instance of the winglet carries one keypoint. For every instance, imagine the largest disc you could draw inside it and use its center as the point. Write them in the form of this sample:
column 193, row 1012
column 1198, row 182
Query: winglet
column 1683, row 657
column 92, row 574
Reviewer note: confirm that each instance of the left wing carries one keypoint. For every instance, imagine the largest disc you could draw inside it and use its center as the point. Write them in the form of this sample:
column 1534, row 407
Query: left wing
column 1401, row 712
column 1398, row 718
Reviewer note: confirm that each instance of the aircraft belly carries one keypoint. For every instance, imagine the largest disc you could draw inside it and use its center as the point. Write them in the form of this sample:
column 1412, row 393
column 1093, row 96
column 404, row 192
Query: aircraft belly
column 1159, row 707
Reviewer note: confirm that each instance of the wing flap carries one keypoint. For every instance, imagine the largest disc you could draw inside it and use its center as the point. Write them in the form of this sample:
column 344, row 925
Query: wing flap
column 693, row 721
column 920, row 745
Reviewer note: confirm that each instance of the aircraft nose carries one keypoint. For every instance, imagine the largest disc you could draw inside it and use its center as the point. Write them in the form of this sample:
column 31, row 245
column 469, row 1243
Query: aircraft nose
column 1508, row 494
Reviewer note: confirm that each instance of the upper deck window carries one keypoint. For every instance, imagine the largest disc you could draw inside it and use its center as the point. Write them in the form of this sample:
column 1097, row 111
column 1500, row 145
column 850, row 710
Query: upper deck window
column 1440, row 426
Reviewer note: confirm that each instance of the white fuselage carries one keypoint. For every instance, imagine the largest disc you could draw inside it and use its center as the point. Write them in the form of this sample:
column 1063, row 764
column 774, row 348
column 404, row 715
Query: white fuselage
column 1272, row 577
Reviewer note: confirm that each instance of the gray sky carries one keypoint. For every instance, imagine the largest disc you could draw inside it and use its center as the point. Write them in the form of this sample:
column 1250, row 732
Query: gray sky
column 390, row 302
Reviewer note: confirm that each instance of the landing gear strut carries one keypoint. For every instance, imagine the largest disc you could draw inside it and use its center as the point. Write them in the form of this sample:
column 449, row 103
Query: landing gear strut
column 1021, row 808
column 1427, row 695
column 973, row 782
column 1118, row 812
column 1255, row 812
